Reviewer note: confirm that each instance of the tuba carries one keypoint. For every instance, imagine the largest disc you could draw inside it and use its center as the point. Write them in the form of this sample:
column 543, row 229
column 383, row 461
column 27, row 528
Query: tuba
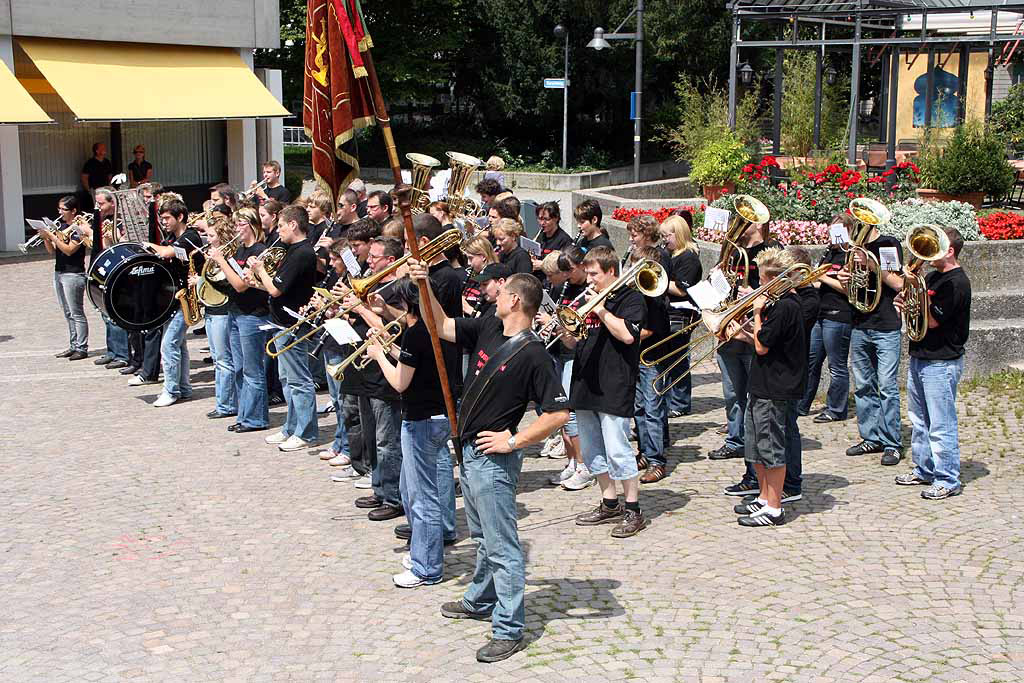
column 646, row 276
column 749, row 210
column 422, row 166
column 463, row 166
column 864, row 290
column 925, row 243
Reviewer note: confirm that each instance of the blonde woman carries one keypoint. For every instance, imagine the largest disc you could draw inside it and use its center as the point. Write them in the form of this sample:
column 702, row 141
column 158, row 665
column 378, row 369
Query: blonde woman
column 479, row 254
column 507, row 232
column 685, row 270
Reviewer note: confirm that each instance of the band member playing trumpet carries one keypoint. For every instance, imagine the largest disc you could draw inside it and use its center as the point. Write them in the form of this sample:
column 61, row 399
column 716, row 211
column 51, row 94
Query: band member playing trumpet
column 509, row 368
column 936, row 364
column 180, row 242
column 272, row 188
column 603, row 394
column 248, row 311
column 875, row 357
column 69, row 279
column 778, row 375
column 289, row 289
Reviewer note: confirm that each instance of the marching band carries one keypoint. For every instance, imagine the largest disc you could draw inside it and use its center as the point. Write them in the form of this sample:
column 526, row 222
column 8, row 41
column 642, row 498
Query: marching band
column 323, row 294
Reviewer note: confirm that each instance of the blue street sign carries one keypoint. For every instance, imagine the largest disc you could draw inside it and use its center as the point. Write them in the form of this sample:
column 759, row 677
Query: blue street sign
column 554, row 83
column 633, row 113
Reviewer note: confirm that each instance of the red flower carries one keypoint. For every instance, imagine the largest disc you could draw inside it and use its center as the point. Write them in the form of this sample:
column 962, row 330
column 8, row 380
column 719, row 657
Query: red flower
column 886, row 174
column 814, row 202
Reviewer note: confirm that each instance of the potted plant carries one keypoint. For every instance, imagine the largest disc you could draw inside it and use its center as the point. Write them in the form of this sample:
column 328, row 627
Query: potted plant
column 972, row 165
column 718, row 165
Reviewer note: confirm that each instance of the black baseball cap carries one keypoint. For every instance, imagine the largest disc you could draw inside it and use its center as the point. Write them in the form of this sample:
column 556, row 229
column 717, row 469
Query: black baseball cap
column 492, row 271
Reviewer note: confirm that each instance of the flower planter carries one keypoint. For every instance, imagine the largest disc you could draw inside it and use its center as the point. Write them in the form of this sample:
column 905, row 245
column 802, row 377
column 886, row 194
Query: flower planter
column 975, row 199
column 713, row 192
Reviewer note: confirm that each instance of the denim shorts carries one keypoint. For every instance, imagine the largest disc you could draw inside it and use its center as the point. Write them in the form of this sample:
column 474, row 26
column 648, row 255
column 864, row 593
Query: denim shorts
column 765, row 430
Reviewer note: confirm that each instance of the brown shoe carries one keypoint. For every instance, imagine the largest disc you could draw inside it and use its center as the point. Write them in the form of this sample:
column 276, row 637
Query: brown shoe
column 385, row 512
column 641, row 462
column 632, row 523
column 367, row 502
column 599, row 515
column 654, row 473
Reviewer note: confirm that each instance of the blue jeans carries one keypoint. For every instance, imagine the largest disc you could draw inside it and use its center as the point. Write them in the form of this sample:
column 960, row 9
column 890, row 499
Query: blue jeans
column 218, row 333
column 117, row 341
column 422, row 444
column 299, row 394
column 931, row 405
column 386, row 419
column 174, row 353
column 604, row 444
column 340, row 444
column 829, row 339
column 70, row 288
column 794, row 452
column 875, row 356
column 734, row 360
column 650, row 417
column 499, row 581
column 680, row 397
column 248, row 351
column 446, row 490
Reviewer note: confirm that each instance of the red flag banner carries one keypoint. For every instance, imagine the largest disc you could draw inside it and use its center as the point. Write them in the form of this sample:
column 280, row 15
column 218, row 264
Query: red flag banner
column 337, row 100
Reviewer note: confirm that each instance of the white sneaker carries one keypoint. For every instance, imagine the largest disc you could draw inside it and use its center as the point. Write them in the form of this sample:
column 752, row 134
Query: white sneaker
column 558, row 450
column 339, row 460
column 139, row 380
column 409, row 580
column 344, row 474
column 364, row 482
column 407, row 561
column 293, row 443
column 276, row 438
column 581, row 479
column 549, row 443
column 164, row 400
column 570, row 469
column 325, row 408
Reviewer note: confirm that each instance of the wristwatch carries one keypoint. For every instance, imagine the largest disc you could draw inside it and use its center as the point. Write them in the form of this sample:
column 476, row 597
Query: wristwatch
column 512, row 442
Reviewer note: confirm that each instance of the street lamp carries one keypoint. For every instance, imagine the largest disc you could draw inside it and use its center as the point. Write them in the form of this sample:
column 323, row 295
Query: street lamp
column 830, row 75
column 563, row 32
column 746, row 73
column 600, row 42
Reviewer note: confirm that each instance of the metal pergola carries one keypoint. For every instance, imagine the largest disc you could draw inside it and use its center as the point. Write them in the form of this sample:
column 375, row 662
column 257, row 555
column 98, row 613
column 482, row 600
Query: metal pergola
column 890, row 26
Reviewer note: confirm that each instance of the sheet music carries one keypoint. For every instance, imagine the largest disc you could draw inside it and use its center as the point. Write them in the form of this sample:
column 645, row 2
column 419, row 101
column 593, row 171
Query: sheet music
column 351, row 263
column 706, row 295
column 547, row 304
column 342, row 332
column 720, row 283
column 889, row 258
column 717, row 219
column 530, row 245
column 839, row 234
column 37, row 225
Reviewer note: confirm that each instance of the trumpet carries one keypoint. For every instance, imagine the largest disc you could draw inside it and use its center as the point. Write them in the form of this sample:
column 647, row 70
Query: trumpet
column 261, row 185
column 65, row 234
column 548, row 332
column 387, row 337
column 646, row 276
column 717, row 323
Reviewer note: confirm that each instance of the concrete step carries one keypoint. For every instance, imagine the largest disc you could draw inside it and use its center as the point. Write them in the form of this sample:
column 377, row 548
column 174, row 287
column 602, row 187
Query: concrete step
column 994, row 345
column 1000, row 304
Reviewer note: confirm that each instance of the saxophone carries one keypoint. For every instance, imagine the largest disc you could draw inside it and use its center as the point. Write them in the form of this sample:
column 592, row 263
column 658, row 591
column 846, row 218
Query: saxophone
column 188, row 297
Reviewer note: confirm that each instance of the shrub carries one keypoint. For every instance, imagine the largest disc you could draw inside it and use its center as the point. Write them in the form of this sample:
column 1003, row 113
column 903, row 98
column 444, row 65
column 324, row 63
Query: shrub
column 1007, row 119
column 974, row 160
column 1002, row 225
column 719, row 162
column 910, row 212
column 702, row 112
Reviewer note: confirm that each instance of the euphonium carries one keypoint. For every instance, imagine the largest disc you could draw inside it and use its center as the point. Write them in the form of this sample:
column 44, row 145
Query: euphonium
column 647, row 276
column 188, row 297
column 386, row 337
column 925, row 243
column 463, row 166
column 422, row 166
column 864, row 289
column 748, row 211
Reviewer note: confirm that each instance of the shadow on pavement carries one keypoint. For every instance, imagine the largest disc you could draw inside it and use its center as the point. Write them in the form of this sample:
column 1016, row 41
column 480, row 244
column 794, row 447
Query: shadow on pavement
column 568, row 598
column 816, row 498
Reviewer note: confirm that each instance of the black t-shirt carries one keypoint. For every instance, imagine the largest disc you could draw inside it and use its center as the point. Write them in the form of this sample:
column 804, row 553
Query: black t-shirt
column 835, row 305
column 423, row 398
column 253, row 301
column 949, row 296
column 599, row 241
column 529, row 376
column 295, row 278
column 279, row 193
column 316, row 231
column 447, row 285
column 370, row 380
column 685, row 270
column 781, row 374
column 657, row 320
column 99, row 172
column 75, row 263
column 559, row 240
column 472, row 293
column 810, row 301
column 605, row 369
column 885, row 317
column 518, row 260
column 138, row 171
column 361, row 209
column 189, row 241
column 754, row 276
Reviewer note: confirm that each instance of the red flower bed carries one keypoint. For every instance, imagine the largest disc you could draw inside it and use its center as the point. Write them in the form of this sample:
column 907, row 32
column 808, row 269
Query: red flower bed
column 623, row 214
column 1002, row 226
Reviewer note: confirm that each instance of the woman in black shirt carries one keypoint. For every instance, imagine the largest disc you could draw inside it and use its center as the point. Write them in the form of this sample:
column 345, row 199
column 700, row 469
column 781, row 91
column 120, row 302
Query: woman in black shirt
column 685, row 271
column 140, row 171
column 506, row 234
column 248, row 313
column 69, row 280
column 219, row 231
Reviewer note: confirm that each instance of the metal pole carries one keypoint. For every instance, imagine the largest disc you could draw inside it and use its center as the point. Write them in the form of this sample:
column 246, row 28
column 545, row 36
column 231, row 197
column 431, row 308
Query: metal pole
column 929, row 93
column 777, row 109
column 883, row 99
column 894, row 93
column 818, row 66
column 733, row 60
column 851, row 152
column 639, row 87
column 565, row 107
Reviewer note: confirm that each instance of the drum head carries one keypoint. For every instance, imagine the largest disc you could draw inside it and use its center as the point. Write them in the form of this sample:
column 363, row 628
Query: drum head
column 140, row 293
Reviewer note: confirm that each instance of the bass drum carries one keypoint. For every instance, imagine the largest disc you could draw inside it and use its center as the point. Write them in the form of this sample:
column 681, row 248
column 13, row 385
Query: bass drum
column 134, row 287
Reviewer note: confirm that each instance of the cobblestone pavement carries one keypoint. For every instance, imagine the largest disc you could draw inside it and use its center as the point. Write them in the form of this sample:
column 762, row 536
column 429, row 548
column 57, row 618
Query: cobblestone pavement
column 149, row 544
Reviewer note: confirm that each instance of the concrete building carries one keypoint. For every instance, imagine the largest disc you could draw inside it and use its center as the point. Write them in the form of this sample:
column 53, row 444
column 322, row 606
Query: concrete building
column 173, row 75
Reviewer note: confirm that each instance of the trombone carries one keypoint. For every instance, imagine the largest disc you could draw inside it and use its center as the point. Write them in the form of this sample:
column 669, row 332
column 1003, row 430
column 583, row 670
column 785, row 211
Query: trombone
column 361, row 288
column 646, row 276
column 387, row 336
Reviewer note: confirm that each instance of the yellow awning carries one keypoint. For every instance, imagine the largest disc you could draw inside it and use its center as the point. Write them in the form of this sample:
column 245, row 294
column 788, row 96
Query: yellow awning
column 134, row 82
column 16, row 105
